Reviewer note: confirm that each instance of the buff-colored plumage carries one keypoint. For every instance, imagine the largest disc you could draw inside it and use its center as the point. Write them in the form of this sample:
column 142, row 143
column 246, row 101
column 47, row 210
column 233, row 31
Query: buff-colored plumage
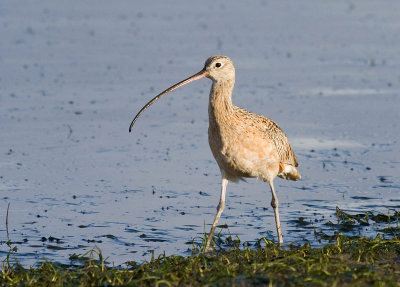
column 243, row 144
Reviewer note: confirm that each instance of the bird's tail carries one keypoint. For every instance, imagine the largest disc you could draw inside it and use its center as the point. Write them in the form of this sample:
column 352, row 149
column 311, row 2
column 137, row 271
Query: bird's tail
column 287, row 171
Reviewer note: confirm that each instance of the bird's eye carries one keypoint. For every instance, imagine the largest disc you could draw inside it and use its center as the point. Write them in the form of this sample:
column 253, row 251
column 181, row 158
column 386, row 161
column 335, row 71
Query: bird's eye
column 218, row 65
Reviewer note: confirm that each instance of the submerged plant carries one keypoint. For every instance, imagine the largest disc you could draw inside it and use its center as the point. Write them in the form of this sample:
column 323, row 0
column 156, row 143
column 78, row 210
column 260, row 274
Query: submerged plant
column 348, row 261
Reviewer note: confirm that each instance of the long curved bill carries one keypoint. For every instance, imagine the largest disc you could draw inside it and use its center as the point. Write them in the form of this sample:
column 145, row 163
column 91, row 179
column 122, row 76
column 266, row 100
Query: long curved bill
column 203, row 73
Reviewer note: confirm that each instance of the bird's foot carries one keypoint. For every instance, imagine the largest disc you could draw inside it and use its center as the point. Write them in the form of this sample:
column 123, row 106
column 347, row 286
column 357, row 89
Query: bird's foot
column 208, row 250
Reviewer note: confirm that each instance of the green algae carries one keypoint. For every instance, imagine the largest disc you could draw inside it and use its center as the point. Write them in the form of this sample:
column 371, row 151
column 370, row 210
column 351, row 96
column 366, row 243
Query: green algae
column 345, row 261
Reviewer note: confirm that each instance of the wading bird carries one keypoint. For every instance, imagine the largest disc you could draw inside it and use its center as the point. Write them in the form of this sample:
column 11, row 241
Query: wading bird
column 243, row 144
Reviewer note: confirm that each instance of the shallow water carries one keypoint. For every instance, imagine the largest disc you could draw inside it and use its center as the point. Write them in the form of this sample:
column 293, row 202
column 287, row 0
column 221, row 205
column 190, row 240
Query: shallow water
column 72, row 78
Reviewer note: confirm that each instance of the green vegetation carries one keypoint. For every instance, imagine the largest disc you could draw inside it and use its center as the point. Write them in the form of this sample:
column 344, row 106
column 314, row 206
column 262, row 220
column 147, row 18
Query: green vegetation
column 355, row 262
column 347, row 261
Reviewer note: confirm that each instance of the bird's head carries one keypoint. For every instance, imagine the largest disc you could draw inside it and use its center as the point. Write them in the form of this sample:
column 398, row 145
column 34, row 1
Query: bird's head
column 219, row 68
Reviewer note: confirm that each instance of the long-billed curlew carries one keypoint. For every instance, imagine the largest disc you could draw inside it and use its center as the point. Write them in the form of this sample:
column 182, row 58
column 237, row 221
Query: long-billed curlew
column 243, row 144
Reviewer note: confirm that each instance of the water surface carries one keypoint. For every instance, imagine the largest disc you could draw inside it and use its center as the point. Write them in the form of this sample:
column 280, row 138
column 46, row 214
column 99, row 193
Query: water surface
column 73, row 76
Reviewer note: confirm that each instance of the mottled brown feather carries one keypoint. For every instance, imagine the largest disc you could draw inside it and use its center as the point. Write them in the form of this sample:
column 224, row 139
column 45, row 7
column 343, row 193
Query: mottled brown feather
column 273, row 133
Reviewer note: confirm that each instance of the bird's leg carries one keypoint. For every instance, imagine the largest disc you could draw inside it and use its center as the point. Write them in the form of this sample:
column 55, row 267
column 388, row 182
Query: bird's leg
column 220, row 209
column 274, row 204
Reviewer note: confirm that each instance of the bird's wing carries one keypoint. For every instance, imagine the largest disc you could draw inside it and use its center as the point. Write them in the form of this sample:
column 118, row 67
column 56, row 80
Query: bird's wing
column 273, row 133
column 281, row 142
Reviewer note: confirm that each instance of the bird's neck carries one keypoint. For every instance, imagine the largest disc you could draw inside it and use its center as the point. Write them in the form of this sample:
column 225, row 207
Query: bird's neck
column 220, row 105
